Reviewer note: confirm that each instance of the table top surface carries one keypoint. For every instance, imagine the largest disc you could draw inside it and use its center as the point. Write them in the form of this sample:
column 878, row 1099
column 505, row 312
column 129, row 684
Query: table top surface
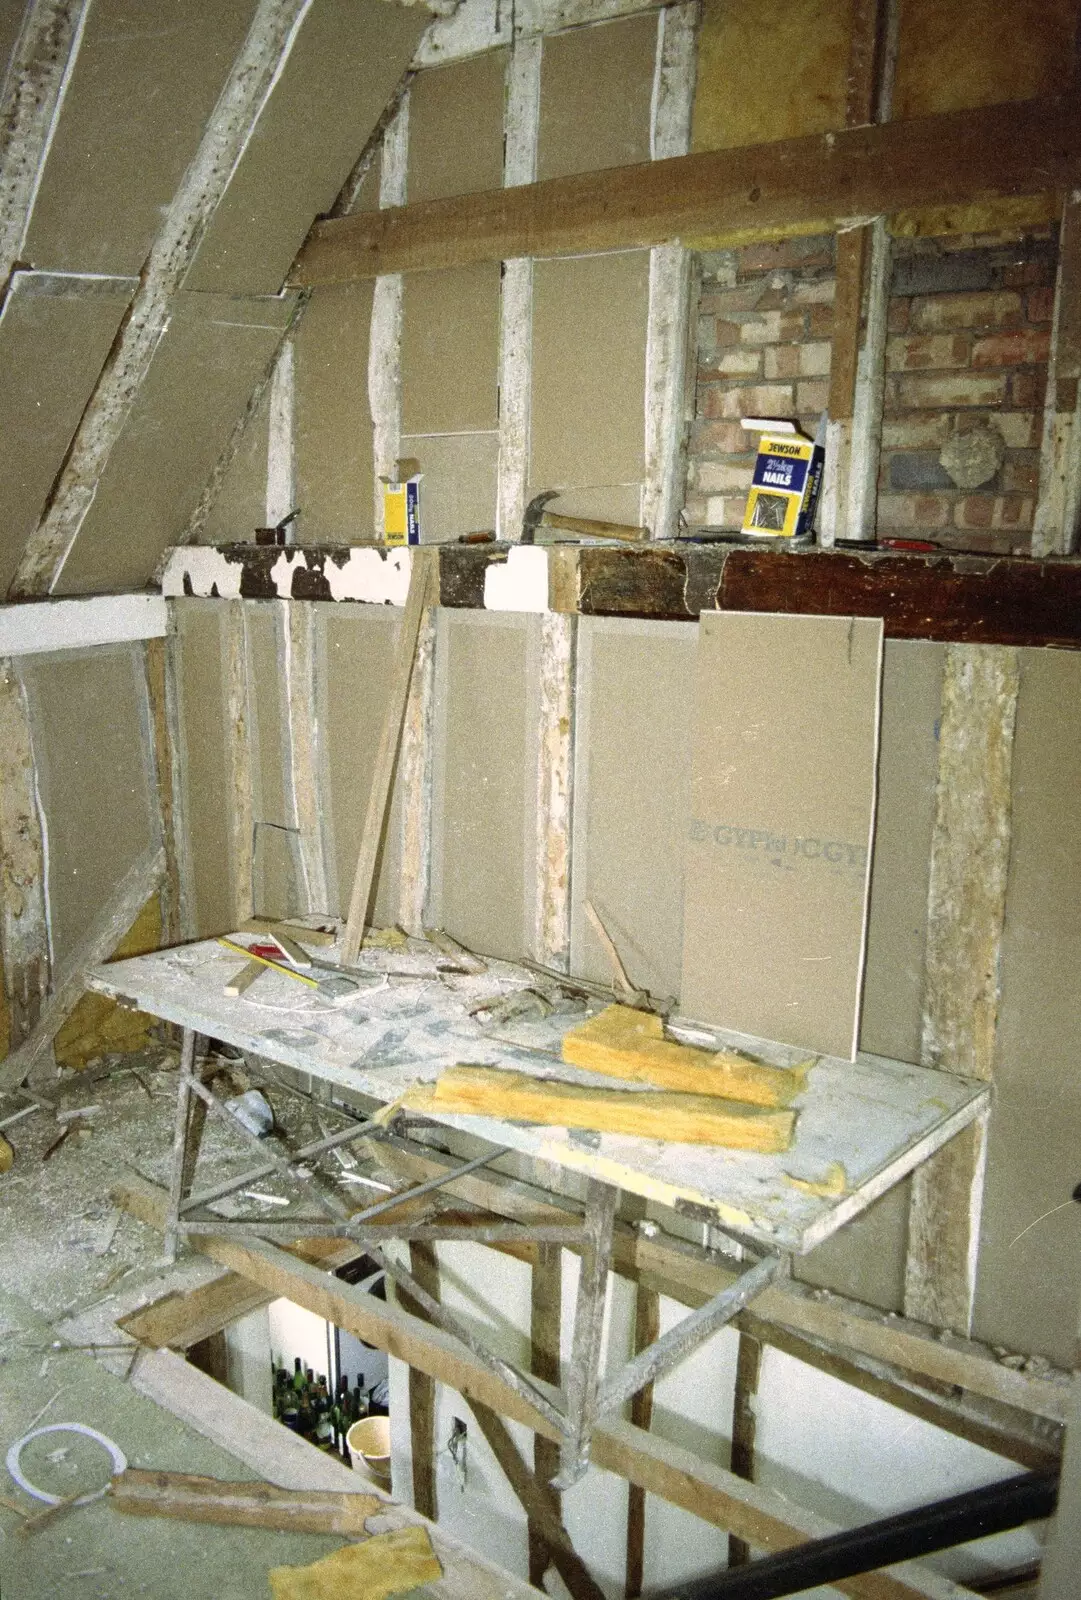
column 877, row 1119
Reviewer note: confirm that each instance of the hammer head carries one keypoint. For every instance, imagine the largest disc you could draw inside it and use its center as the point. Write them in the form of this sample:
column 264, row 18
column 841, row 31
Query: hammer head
column 534, row 511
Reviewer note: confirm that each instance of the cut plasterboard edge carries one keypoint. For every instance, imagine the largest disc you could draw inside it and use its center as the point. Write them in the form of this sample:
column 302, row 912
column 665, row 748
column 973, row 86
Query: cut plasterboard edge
column 48, row 625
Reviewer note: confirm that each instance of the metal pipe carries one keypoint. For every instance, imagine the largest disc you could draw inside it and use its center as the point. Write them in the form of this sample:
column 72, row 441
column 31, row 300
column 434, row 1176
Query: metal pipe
column 972, row 1515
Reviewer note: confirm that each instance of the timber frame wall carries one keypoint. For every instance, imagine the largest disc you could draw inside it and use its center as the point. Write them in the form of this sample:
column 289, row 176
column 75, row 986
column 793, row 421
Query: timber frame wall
column 983, row 610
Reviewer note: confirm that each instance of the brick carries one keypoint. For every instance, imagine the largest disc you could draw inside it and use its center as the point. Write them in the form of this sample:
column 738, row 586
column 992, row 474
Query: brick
column 775, row 298
column 755, row 400
column 984, row 543
column 820, row 321
column 816, row 251
column 735, row 362
column 723, row 438
column 939, row 313
column 1021, row 472
column 1038, row 270
column 928, row 350
column 1027, row 390
column 781, row 360
column 694, row 510
column 952, row 389
column 726, row 332
column 1007, row 511
column 812, row 398
column 725, row 511
column 814, row 360
column 793, row 325
column 761, row 328
column 1025, row 348
column 961, row 270
column 814, row 292
column 724, row 477
column 722, row 302
column 1040, row 304
column 1020, row 429
column 919, row 430
column 974, row 511
column 914, row 511
column 897, row 317
column 918, row 470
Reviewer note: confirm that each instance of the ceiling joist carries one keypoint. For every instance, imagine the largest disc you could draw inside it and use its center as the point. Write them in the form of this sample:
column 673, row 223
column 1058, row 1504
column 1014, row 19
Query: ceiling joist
column 822, row 181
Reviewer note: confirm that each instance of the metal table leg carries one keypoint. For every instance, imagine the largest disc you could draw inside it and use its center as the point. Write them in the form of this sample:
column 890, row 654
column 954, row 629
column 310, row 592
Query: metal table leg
column 181, row 1129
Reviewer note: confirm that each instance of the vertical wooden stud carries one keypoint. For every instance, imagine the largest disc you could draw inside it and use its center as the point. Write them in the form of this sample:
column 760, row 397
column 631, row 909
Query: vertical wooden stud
column 424, row 1266
column 24, row 919
column 415, row 766
column 300, row 750
column 242, row 811
column 970, row 852
column 647, row 1327
column 555, row 762
column 669, row 282
column 521, row 122
column 546, row 1298
column 166, row 782
column 1058, row 506
column 385, row 343
column 744, row 1429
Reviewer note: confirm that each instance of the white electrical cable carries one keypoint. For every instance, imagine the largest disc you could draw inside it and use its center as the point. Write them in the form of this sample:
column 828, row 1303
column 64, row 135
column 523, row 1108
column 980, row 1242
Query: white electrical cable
column 120, row 1461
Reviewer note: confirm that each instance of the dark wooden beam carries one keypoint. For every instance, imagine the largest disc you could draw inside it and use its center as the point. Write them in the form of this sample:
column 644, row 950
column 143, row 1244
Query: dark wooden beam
column 805, row 184
column 955, row 597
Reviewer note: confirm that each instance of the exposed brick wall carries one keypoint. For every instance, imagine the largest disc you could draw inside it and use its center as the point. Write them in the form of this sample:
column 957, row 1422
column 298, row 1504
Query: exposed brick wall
column 970, row 327
column 969, row 330
column 765, row 322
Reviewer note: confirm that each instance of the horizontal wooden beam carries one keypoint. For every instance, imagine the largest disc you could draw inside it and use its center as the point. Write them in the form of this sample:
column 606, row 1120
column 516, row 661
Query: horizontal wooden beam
column 794, row 184
column 955, row 597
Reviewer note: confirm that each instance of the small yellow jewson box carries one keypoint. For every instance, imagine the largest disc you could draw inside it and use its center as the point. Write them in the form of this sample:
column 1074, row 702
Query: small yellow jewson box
column 786, row 482
column 401, row 511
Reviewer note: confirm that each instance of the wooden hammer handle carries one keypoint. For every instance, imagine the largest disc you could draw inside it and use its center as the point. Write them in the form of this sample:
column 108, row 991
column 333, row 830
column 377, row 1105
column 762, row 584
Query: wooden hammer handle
column 599, row 530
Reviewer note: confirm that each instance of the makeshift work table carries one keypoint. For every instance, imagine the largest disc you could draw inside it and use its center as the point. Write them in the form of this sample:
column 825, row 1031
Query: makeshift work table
column 861, row 1127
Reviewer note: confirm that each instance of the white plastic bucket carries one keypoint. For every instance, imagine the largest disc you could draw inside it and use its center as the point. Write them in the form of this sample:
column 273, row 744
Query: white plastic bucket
column 368, row 1443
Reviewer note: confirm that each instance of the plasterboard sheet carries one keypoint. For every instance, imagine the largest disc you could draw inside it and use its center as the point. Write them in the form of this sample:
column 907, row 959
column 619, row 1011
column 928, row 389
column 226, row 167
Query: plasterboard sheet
column 900, row 869
column 355, row 661
column 205, row 776
column 93, row 771
column 1029, row 1272
column 867, row 1259
column 345, row 63
column 458, row 491
column 484, row 788
column 450, row 349
column 597, row 97
column 587, row 427
column 801, row 91
column 634, row 711
column 199, row 382
column 334, row 466
column 263, row 626
column 145, row 82
column 240, row 504
column 54, row 336
column 456, row 128
column 780, row 829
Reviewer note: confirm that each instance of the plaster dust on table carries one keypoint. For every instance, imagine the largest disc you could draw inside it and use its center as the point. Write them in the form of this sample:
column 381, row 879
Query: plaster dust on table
column 877, row 1118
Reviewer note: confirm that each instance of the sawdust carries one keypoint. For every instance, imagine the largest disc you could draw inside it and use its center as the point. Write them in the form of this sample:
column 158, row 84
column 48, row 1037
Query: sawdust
column 388, row 1564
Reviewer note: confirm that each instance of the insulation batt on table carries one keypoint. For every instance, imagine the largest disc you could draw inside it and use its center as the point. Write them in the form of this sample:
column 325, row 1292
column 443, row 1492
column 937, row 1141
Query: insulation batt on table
column 878, row 1118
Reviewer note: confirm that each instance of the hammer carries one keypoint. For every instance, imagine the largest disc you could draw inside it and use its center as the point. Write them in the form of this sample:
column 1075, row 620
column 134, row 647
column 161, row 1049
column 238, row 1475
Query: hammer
column 537, row 517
